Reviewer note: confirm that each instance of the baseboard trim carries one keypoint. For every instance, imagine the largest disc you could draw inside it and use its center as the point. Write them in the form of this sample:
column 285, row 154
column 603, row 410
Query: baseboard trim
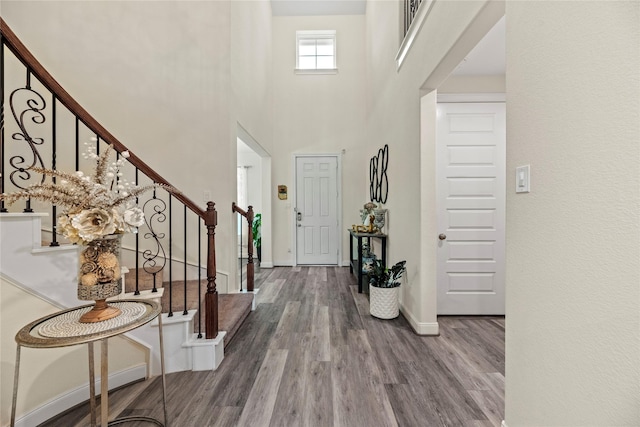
column 79, row 395
column 265, row 264
column 420, row 328
column 283, row 263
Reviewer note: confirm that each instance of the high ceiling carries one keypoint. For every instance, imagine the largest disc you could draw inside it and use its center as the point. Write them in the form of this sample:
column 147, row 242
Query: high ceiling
column 317, row 7
column 487, row 58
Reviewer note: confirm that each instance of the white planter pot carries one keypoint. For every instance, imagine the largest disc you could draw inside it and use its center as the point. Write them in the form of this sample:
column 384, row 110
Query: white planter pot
column 384, row 302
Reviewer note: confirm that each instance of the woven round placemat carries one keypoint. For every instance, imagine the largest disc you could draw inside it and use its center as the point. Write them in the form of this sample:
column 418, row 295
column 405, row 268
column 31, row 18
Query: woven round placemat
column 68, row 324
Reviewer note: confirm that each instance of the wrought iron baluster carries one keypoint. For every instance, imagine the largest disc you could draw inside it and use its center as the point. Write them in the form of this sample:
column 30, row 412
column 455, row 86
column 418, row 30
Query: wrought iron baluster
column 54, row 208
column 77, row 143
column 2, row 207
column 137, row 288
column 185, row 312
column 150, row 265
column 30, row 112
column 170, row 262
column 410, row 9
column 199, row 278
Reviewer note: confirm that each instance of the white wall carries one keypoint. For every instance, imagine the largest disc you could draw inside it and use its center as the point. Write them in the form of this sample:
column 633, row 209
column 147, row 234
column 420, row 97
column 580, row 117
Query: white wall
column 573, row 243
column 161, row 76
column 473, row 84
column 394, row 118
column 318, row 114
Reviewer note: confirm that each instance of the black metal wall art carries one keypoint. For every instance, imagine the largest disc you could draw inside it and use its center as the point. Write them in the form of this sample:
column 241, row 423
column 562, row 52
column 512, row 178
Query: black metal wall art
column 378, row 180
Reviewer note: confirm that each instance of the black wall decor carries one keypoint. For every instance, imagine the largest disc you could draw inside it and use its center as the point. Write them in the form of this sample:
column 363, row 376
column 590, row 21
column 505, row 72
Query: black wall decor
column 378, row 180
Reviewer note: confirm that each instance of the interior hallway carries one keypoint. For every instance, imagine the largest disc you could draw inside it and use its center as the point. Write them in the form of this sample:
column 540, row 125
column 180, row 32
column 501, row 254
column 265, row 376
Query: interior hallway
column 311, row 355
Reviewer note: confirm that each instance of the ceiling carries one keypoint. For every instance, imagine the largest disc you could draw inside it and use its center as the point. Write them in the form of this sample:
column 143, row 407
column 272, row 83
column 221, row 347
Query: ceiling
column 317, row 7
column 487, row 58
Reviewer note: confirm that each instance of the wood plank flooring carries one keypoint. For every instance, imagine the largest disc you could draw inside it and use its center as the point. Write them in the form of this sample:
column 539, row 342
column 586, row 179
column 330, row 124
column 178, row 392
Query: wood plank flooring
column 311, row 355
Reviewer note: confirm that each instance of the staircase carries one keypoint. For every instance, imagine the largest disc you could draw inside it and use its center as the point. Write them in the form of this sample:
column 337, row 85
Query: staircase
column 49, row 272
column 233, row 309
column 197, row 321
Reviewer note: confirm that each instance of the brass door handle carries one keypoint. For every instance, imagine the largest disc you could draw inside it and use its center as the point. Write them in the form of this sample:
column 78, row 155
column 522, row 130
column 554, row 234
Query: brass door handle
column 442, row 236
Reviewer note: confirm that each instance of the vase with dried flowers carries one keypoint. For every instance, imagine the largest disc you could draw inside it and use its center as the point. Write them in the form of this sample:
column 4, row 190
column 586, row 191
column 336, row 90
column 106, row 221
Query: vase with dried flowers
column 98, row 210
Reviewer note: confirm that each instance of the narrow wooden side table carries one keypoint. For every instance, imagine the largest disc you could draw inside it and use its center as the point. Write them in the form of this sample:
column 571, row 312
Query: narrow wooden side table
column 63, row 329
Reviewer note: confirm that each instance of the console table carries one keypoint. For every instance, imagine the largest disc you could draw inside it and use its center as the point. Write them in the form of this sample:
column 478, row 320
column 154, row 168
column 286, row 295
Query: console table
column 356, row 263
column 63, row 329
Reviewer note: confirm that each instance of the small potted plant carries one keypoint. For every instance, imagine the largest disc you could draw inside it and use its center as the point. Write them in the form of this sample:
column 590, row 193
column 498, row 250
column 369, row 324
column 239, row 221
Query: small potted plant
column 257, row 238
column 384, row 289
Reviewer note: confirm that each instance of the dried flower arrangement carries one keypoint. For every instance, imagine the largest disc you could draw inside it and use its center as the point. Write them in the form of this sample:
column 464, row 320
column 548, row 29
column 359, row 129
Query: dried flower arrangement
column 95, row 206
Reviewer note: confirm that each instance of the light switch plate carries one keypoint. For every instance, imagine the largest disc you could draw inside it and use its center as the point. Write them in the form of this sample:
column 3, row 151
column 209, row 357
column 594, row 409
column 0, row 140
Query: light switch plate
column 523, row 179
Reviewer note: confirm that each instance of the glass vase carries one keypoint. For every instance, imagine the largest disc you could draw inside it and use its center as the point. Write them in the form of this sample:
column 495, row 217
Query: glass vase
column 100, row 276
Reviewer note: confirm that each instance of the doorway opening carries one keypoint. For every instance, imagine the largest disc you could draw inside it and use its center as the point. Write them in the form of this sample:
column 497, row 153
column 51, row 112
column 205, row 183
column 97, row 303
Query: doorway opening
column 253, row 170
column 317, row 212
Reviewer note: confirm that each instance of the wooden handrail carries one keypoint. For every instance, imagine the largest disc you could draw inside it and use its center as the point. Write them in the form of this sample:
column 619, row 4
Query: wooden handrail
column 209, row 216
column 249, row 215
column 27, row 58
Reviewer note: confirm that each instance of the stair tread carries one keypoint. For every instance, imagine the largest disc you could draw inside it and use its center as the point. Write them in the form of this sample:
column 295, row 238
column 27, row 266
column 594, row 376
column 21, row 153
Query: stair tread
column 233, row 310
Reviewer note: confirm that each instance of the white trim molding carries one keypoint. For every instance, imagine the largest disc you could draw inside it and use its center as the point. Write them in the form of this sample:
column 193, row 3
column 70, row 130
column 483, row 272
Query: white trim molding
column 79, row 395
column 471, row 97
column 420, row 328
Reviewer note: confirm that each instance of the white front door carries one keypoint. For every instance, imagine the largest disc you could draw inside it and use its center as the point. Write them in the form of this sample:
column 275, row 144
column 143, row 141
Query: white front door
column 471, row 151
column 316, row 210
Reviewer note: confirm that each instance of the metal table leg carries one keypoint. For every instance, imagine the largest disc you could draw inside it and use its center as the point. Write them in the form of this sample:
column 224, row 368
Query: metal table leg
column 15, row 388
column 92, row 384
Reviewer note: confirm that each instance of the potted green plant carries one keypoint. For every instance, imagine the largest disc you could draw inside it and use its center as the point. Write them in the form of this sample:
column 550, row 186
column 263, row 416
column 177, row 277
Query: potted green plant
column 384, row 289
column 257, row 238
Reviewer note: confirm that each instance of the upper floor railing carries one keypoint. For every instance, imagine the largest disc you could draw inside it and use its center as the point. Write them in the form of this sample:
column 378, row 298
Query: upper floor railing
column 44, row 128
column 410, row 9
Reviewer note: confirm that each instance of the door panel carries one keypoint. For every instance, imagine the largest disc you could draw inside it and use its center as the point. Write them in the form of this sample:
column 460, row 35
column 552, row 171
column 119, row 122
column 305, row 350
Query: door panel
column 317, row 209
column 471, row 205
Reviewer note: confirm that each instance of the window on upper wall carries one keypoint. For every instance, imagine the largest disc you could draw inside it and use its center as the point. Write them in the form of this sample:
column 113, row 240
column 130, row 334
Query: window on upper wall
column 316, row 52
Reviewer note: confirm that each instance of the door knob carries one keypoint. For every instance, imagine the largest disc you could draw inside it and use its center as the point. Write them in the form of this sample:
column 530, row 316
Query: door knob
column 442, row 236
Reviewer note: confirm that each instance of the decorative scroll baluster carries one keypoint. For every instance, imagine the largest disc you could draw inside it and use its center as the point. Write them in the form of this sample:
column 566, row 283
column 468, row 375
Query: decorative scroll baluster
column 211, row 299
column 150, row 265
column 32, row 112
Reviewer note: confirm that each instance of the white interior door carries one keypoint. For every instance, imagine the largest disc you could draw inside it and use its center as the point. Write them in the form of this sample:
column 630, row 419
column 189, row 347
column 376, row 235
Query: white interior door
column 471, row 151
column 317, row 210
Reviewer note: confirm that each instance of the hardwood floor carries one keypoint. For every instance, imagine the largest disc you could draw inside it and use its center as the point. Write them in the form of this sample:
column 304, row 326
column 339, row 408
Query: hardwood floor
column 311, row 355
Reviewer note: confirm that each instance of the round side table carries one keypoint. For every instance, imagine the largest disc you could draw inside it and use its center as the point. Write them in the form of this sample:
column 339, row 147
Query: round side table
column 63, row 329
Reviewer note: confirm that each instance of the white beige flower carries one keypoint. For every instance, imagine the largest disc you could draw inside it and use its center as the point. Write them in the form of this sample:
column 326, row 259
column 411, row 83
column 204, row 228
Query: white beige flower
column 93, row 223
column 133, row 218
